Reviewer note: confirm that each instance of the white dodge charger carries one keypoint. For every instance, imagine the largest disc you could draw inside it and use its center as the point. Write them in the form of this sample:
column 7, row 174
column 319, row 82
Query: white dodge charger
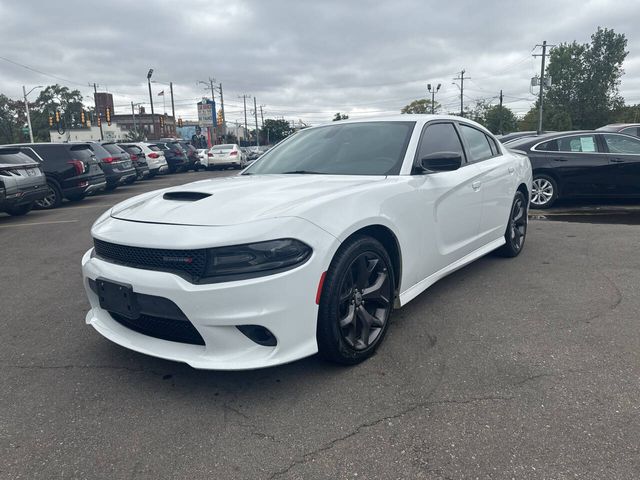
column 310, row 248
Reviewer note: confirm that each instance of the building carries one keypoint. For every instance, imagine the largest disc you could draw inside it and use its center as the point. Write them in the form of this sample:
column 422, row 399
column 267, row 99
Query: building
column 145, row 122
column 111, row 132
column 103, row 101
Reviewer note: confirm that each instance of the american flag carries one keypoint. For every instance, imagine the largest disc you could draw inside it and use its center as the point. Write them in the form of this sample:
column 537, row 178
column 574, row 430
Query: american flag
column 161, row 94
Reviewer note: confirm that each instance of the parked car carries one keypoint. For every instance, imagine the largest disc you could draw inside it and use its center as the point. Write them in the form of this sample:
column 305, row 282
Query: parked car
column 582, row 163
column 192, row 155
column 628, row 128
column 115, row 163
column 202, row 155
column 155, row 158
column 353, row 219
column 227, row 155
column 22, row 183
column 71, row 169
column 174, row 154
column 510, row 137
column 138, row 158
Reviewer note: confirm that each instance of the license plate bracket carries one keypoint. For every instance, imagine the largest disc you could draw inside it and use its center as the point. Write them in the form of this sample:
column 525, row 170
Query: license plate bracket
column 118, row 298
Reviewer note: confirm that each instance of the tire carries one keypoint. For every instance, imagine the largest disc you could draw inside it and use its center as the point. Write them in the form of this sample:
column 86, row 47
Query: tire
column 516, row 232
column 20, row 210
column 76, row 197
column 351, row 322
column 111, row 187
column 53, row 198
column 129, row 181
column 544, row 191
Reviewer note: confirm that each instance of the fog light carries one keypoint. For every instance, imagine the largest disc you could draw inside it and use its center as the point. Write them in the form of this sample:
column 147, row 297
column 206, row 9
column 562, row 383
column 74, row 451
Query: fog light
column 260, row 335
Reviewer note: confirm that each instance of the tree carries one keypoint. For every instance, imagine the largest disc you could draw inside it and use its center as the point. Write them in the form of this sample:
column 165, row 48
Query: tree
column 421, row 106
column 500, row 119
column 340, row 116
column 136, row 135
column 51, row 99
column 276, row 130
column 585, row 77
column 12, row 119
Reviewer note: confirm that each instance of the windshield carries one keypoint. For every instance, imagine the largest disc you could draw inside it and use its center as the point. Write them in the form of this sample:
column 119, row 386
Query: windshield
column 222, row 147
column 367, row 148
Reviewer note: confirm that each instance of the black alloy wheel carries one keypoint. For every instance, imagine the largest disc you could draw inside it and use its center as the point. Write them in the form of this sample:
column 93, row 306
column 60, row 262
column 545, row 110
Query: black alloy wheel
column 516, row 228
column 356, row 301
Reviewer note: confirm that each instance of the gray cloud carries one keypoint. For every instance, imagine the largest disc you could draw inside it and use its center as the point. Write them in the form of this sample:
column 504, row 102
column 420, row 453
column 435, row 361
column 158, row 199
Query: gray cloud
column 302, row 60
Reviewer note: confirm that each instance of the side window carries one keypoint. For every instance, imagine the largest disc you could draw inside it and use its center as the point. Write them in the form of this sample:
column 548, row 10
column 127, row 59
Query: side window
column 635, row 131
column 550, row 146
column 440, row 137
column 622, row 144
column 479, row 147
column 578, row 143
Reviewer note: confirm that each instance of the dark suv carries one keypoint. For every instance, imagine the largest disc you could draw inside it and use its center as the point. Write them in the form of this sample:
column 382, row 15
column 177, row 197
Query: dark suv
column 71, row 169
column 115, row 163
column 192, row 155
column 22, row 183
column 138, row 158
column 174, row 154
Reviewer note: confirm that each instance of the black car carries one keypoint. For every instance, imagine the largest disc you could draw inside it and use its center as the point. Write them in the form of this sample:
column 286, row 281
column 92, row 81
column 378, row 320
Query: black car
column 22, row 183
column 174, row 154
column 628, row 128
column 71, row 169
column 192, row 155
column 138, row 158
column 583, row 163
column 115, row 162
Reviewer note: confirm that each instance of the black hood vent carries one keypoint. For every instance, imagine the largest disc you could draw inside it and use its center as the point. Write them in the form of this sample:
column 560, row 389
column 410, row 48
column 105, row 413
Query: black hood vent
column 185, row 196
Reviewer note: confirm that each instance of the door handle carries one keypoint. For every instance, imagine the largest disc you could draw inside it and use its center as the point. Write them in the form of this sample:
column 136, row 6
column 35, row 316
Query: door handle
column 617, row 160
column 511, row 169
column 476, row 186
column 559, row 159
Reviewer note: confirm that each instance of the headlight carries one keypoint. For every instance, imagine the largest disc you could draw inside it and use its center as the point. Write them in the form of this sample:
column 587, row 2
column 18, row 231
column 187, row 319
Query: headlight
column 256, row 259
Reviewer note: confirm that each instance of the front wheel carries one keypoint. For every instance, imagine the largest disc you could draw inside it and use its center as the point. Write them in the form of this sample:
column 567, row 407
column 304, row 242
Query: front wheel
column 53, row 199
column 516, row 228
column 544, row 191
column 356, row 302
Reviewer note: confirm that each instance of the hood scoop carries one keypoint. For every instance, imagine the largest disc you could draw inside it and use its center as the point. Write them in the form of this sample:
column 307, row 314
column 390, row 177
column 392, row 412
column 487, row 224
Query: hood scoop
column 185, row 196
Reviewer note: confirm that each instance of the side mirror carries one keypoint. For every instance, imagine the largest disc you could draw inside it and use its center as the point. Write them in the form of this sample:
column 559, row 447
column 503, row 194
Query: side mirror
column 441, row 162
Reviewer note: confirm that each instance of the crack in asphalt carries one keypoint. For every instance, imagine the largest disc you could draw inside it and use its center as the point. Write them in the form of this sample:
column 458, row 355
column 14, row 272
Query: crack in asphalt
column 329, row 445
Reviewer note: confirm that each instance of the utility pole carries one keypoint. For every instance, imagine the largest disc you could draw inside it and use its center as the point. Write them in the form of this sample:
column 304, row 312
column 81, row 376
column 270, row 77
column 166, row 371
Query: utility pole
column 500, row 124
column 95, row 95
column 173, row 108
column 26, row 106
column 461, row 78
column 261, row 117
column 133, row 114
column 542, row 82
column 224, row 120
column 255, row 116
column 244, row 100
column 433, row 96
column 153, row 115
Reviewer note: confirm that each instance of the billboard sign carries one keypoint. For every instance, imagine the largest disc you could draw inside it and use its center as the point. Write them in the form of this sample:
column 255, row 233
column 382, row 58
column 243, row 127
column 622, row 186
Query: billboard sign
column 207, row 113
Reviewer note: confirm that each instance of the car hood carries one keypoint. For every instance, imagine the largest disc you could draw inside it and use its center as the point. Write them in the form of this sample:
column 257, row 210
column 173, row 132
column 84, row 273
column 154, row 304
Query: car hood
column 239, row 199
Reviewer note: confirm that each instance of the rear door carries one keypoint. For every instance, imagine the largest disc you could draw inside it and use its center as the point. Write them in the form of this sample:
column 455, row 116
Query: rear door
column 494, row 180
column 624, row 155
column 581, row 163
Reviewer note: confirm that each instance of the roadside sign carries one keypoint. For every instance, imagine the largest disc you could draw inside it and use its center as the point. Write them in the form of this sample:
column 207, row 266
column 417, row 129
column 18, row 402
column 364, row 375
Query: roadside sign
column 206, row 113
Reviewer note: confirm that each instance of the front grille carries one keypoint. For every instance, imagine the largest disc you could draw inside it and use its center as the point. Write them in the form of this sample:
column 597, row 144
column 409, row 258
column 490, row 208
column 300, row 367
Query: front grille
column 170, row 329
column 193, row 263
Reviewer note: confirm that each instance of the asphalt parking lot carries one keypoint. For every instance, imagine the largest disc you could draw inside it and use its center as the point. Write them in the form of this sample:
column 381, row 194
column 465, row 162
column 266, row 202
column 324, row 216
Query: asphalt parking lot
column 523, row 368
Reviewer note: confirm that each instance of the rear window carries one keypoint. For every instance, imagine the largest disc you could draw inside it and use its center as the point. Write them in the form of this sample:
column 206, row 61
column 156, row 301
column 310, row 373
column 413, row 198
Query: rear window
column 222, row 147
column 99, row 151
column 112, row 148
column 82, row 152
column 154, row 148
column 13, row 156
column 132, row 149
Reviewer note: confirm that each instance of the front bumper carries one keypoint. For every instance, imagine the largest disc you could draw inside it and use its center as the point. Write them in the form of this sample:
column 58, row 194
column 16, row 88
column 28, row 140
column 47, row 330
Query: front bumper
column 284, row 303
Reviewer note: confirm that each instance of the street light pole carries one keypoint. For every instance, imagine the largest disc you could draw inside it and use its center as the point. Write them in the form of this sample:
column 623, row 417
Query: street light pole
column 26, row 106
column 153, row 116
column 433, row 96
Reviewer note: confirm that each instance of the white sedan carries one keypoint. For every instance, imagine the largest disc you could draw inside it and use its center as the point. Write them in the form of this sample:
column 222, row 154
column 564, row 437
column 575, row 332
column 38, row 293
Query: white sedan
column 227, row 155
column 308, row 250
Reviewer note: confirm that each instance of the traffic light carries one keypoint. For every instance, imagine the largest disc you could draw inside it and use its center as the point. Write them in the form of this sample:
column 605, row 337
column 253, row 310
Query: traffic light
column 50, row 121
column 57, row 116
column 161, row 121
column 219, row 117
column 180, row 122
column 99, row 120
column 82, row 119
column 108, row 116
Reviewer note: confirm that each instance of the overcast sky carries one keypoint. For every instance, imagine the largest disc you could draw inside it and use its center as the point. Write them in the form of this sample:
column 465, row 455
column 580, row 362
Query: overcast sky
column 301, row 59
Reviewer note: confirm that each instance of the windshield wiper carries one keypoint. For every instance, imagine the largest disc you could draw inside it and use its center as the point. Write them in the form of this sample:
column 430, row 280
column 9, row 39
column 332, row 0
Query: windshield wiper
column 308, row 172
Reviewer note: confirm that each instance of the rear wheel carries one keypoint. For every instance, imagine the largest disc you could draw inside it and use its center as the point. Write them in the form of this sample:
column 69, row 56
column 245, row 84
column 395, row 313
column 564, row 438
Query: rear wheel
column 516, row 228
column 544, row 191
column 356, row 302
column 53, row 199
column 20, row 210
